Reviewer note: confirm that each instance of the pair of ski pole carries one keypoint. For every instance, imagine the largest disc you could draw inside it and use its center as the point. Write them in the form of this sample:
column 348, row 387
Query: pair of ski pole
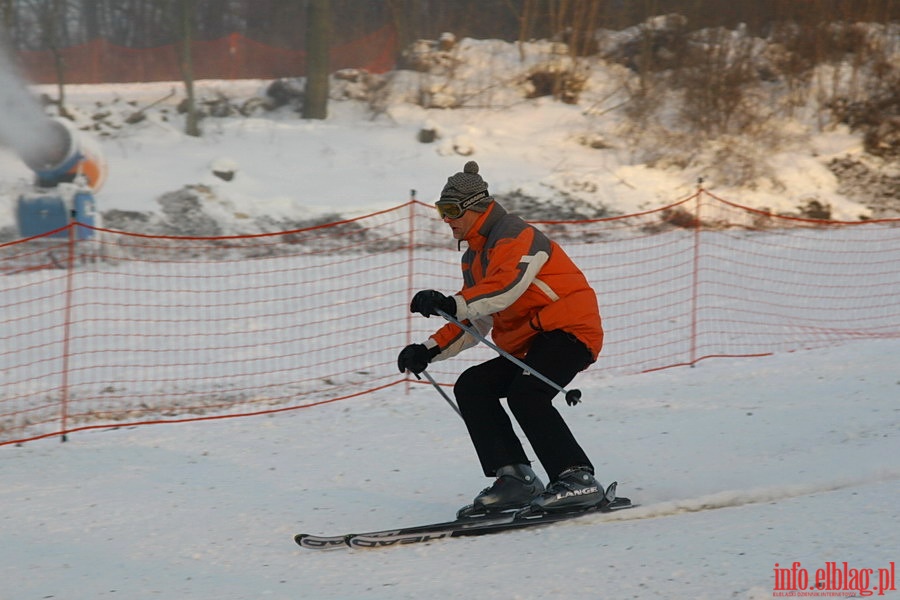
column 572, row 396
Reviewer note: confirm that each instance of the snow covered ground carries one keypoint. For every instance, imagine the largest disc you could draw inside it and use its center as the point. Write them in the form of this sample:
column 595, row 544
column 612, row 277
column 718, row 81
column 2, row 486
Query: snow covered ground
column 737, row 464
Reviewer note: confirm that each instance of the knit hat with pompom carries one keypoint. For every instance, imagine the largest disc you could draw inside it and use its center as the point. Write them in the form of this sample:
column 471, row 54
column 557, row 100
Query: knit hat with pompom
column 467, row 185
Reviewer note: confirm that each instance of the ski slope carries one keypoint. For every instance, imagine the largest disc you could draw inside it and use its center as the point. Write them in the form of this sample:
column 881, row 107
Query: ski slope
column 738, row 465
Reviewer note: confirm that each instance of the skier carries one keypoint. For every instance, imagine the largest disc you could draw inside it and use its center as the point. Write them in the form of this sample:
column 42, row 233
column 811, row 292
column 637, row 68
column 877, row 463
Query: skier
column 539, row 308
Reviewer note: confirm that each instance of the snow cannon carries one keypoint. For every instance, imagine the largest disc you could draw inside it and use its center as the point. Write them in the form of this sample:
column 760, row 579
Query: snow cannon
column 68, row 169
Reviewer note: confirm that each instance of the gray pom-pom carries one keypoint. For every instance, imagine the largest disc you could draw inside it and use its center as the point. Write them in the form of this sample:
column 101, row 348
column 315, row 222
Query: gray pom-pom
column 471, row 167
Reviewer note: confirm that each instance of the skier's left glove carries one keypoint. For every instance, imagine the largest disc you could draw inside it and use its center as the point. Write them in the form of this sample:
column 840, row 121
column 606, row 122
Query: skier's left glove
column 415, row 358
column 427, row 302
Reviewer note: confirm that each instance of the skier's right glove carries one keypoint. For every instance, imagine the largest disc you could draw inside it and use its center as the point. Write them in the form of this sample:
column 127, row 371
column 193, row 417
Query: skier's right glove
column 415, row 358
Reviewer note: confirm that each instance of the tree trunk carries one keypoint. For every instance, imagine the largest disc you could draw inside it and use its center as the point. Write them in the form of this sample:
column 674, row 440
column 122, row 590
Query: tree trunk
column 8, row 14
column 318, row 36
column 53, row 23
column 192, row 118
column 89, row 9
column 403, row 14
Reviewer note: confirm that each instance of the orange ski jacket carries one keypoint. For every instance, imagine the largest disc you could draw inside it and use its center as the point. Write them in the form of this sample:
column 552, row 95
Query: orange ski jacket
column 517, row 283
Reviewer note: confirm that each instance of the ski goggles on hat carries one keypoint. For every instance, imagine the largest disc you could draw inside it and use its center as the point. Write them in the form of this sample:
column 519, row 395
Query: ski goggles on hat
column 454, row 209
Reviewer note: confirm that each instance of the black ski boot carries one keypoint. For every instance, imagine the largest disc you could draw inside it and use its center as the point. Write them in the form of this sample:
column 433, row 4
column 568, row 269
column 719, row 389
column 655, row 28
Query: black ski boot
column 576, row 489
column 514, row 488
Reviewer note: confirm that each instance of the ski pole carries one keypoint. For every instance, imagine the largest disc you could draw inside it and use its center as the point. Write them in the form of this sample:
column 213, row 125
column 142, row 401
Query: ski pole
column 573, row 396
column 441, row 392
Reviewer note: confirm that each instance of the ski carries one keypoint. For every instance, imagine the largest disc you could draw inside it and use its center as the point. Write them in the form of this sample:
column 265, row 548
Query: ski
column 469, row 526
column 323, row 542
column 483, row 527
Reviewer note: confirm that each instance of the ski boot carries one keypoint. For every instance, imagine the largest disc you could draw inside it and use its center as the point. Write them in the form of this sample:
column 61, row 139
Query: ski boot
column 514, row 488
column 574, row 490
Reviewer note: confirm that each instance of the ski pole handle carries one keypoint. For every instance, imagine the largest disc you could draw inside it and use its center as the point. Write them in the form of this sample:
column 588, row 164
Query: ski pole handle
column 573, row 396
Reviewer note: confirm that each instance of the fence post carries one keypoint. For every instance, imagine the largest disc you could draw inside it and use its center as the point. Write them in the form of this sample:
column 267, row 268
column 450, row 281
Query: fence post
column 410, row 270
column 67, row 322
column 695, row 269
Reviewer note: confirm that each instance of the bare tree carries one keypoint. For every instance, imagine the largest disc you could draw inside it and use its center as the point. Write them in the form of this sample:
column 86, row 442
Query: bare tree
column 51, row 19
column 403, row 16
column 318, row 37
column 7, row 13
column 90, row 16
column 185, row 18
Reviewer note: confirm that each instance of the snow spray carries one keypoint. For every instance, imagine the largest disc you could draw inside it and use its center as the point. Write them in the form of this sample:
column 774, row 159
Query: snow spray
column 51, row 148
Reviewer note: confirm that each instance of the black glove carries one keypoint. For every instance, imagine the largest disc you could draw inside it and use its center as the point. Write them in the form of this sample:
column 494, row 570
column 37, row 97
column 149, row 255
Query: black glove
column 415, row 358
column 427, row 301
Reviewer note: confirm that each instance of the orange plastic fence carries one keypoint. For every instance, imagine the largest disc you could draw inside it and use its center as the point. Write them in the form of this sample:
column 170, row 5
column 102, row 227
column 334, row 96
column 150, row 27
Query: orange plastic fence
column 231, row 57
column 135, row 329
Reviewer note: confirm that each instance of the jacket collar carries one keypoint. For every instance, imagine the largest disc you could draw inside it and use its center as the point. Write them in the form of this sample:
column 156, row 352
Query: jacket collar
column 478, row 234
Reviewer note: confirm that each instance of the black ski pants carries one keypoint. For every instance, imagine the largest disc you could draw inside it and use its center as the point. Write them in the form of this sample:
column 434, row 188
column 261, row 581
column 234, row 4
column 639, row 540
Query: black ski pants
column 557, row 355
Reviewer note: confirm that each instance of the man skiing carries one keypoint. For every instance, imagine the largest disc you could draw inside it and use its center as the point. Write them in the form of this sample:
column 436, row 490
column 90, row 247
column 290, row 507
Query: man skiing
column 539, row 308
